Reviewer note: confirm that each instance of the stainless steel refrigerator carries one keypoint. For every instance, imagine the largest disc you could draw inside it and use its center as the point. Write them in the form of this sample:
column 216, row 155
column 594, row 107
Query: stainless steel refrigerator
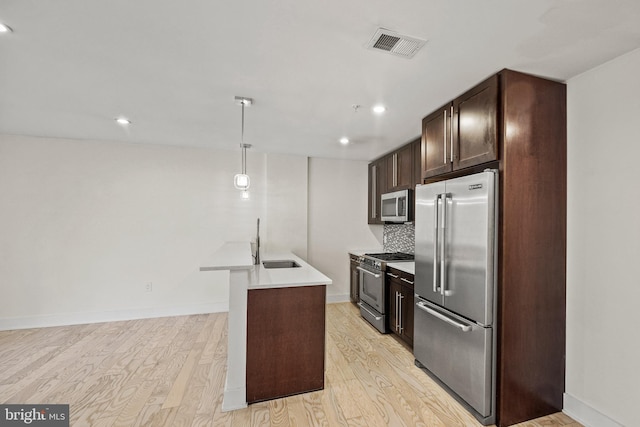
column 455, row 287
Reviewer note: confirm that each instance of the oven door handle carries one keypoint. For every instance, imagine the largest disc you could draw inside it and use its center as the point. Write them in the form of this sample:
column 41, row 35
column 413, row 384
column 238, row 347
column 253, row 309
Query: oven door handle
column 364, row 270
column 368, row 311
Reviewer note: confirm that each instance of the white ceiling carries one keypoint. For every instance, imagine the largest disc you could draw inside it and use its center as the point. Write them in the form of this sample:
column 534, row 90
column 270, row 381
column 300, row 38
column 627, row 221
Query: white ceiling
column 174, row 67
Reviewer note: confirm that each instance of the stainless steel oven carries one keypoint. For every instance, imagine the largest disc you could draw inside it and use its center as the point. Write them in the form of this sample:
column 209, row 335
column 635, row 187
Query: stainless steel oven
column 373, row 293
column 372, row 296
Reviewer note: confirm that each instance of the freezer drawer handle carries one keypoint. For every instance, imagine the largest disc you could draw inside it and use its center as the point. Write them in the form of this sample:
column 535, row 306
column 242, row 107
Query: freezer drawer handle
column 364, row 270
column 365, row 309
column 461, row 326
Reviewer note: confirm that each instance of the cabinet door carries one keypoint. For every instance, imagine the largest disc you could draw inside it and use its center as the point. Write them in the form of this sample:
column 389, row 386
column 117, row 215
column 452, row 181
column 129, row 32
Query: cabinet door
column 391, row 175
column 279, row 321
column 404, row 167
column 354, row 282
column 417, row 162
column 394, row 300
column 376, row 188
column 407, row 313
column 382, row 183
column 476, row 125
column 436, row 142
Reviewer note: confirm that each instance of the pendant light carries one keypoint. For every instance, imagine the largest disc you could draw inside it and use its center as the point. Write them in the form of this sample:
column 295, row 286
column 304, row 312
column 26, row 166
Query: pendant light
column 241, row 180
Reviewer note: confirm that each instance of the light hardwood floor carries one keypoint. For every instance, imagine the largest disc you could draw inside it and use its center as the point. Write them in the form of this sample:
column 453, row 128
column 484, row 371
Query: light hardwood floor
column 171, row 372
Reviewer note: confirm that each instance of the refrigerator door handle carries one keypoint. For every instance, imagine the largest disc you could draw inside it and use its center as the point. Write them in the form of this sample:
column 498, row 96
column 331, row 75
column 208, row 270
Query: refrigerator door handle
column 443, row 227
column 461, row 326
column 436, row 288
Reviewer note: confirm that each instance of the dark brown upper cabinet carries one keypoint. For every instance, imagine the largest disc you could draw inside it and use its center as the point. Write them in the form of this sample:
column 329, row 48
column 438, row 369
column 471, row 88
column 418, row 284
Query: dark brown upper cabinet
column 475, row 125
column 417, row 161
column 377, row 186
column 462, row 133
column 399, row 169
column 436, row 142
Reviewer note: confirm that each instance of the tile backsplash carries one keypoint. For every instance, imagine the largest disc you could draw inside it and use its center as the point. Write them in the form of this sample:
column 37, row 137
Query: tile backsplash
column 398, row 238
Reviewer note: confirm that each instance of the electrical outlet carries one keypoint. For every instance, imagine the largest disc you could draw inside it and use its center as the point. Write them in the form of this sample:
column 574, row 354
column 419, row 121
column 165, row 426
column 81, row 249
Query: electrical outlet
column 149, row 287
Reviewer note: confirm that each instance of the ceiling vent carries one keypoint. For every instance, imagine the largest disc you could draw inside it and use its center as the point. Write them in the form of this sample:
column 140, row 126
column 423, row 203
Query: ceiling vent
column 395, row 43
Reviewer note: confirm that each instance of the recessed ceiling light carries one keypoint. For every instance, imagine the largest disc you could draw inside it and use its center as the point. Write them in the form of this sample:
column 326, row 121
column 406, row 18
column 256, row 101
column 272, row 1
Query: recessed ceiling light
column 344, row 140
column 5, row 28
column 123, row 121
column 379, row 109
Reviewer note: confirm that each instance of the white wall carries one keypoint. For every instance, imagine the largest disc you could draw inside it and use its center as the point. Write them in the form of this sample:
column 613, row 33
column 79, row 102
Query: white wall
column 603, row 247
column 85, row 225
column 338, row 219
column 287, row 181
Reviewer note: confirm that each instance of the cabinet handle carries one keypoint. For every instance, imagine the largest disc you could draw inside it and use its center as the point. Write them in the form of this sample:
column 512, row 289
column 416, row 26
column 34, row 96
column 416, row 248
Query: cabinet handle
column 400, row 296
column 374, row 191
column 392, row 275
column 406, row 280
column 395, row 170
column 451, row 135
column 396, row 319
column 444, row 138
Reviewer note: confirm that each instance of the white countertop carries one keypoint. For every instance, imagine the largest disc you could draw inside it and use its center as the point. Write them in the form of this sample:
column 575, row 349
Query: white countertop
column 237, row 256
column 231, row 256
column 406, row 266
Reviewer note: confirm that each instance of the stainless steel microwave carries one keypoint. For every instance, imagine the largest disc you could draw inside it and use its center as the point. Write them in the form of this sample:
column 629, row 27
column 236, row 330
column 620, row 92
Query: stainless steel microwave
column 396, row 206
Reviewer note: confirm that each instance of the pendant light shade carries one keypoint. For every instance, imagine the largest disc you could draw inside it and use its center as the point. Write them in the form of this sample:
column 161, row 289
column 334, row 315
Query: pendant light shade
column 241, row 180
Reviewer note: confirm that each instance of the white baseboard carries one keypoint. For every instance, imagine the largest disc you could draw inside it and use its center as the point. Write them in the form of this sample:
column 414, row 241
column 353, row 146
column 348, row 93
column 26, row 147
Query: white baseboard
column 338, row 298
column 66, row 319
column 585, row 414
column 234, row 399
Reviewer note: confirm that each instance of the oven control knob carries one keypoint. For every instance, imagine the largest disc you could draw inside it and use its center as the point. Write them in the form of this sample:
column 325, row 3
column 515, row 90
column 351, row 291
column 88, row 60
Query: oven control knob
column 377, row 265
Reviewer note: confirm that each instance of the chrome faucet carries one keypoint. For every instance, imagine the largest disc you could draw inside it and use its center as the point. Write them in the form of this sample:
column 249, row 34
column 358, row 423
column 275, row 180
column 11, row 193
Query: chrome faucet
column 257, row 256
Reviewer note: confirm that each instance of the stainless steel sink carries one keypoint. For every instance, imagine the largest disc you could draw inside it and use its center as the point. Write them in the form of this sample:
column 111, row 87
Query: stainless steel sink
column 284, row 263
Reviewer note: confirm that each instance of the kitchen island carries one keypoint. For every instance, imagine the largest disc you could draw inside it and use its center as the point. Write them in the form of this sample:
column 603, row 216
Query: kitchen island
column 276, row 326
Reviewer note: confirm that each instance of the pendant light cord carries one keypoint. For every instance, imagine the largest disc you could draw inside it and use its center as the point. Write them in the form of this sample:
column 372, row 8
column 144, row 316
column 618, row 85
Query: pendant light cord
column 244, row 149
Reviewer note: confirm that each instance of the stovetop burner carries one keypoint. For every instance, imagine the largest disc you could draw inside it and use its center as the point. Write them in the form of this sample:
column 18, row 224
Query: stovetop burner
column 379, row 261
column 392, row 256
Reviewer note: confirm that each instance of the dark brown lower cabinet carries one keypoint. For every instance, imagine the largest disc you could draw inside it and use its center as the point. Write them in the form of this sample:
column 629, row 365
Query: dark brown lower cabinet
column 354, row 281
column 285, row 341
column 400, row 297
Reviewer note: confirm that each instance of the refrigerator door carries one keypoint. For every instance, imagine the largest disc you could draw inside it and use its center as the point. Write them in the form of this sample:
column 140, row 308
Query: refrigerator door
column 457, row 352
column 470, row 228
column 428, row 234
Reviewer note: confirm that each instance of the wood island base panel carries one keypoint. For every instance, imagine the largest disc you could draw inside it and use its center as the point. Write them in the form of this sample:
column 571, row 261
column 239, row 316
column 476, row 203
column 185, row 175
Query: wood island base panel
column 285, row 341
